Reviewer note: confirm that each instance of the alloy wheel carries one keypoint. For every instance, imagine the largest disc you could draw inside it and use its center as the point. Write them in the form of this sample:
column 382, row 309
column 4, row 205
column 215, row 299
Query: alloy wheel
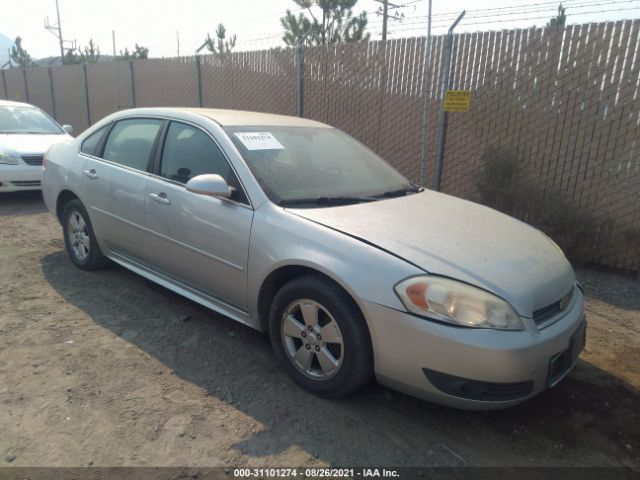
column 78, row 233
column 312, row 339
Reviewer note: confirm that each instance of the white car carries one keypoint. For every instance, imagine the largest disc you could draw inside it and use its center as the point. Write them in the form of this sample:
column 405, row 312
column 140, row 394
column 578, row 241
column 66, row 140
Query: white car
column 26, row 133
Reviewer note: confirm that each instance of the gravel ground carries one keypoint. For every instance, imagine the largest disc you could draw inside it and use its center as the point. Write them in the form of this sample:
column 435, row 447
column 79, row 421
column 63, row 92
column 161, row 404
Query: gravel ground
column 107, row 369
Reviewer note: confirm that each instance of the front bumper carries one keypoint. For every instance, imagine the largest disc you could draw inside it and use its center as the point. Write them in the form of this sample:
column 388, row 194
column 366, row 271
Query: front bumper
column 15, row 178
column 407, row 348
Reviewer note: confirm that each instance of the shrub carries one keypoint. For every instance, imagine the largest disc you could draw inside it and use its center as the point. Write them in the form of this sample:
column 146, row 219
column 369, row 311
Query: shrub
column 573, row 228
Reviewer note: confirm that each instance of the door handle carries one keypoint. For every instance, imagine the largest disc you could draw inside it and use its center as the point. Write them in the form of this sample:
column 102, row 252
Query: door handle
column 160, row 198
column 91, row 174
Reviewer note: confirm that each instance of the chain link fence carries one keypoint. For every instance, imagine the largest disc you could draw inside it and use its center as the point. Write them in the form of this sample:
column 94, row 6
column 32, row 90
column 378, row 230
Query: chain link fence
column 552, row 135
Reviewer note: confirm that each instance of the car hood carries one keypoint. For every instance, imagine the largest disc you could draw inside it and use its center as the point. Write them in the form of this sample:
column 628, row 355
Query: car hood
column 448, row 236
column 25, row 144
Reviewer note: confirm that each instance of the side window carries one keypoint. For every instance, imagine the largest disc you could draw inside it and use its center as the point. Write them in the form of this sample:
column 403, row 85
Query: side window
column 90, row 143
column 189, row 152
column 130, row 142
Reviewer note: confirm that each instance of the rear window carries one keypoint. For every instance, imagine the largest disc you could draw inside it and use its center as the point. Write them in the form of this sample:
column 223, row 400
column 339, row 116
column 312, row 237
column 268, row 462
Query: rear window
column 130, row 142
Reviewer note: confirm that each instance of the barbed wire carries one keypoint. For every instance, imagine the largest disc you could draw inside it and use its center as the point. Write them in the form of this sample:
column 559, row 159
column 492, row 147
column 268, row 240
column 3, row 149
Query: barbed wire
column 479, row 13
column 419, row 22
column 490, row 22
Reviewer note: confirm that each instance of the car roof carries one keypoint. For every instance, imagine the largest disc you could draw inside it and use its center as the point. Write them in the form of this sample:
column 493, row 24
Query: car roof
column 228, row 118
column 9, row 103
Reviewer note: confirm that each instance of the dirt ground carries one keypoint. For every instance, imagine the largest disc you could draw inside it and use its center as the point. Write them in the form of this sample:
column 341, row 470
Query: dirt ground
column 107, row 369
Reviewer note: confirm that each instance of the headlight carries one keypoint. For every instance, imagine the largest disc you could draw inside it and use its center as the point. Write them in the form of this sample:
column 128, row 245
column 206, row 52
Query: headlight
column 457, row 303
column 7, row 159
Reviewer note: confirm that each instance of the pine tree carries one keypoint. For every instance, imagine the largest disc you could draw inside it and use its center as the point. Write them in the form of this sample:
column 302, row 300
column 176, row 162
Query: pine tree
column 71, row 57
column 333, row 23
column 138, row 53
column 19, row 56
column 141, row 52
column 220, row 45
column 91, row 53
column 560, row 19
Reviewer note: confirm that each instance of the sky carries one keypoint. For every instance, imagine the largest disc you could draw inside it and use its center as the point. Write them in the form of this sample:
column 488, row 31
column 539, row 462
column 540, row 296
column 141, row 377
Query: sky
column 164, row 26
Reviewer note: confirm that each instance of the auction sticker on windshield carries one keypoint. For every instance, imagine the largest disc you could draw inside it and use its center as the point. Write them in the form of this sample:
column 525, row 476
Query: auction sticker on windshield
column 259, row 141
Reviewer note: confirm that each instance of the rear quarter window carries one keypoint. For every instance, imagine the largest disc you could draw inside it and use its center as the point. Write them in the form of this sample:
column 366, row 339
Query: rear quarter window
column 91, row 143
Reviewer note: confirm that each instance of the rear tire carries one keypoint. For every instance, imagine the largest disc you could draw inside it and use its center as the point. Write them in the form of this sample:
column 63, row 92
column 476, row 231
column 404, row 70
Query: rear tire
column 79, row 239
column 319, row 336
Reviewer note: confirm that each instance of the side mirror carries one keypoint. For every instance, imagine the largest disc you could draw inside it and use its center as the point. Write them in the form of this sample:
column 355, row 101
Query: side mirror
column 209, row 184
column 68, row 129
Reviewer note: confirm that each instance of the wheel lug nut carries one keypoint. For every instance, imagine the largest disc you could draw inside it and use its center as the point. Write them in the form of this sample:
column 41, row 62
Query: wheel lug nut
column 307, row 346
column 318, row 337
column 310, row 328
column 317, row 348
column 304, row 334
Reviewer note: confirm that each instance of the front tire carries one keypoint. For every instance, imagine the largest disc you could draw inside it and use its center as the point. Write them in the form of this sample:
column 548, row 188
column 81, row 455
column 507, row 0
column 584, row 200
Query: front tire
column 79, row 239
column 320, row 337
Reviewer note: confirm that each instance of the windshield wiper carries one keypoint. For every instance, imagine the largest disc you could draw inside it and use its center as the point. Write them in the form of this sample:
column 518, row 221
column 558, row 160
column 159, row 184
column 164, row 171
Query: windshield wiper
column 346, row 199
column 341, row 200
column 399, row 193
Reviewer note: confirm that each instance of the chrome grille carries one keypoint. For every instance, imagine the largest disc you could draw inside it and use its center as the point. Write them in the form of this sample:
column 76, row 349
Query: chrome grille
column 543, row 314
column 33, row 159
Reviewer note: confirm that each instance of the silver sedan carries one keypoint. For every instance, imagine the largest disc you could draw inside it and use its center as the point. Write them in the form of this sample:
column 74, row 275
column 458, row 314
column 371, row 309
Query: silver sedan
column 293, row 227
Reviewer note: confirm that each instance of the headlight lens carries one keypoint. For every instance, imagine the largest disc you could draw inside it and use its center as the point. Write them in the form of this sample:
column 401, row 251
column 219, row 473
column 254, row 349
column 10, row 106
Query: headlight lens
column 457, row 303
column 7, row 159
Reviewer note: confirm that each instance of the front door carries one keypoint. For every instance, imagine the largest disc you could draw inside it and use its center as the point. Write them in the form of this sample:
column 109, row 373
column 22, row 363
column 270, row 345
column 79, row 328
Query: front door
column 200, row 240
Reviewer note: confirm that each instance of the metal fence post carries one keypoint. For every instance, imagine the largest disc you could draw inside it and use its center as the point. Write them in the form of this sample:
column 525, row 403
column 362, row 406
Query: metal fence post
column 426, row 91
column 443, row 114
column 86, row 94
column 26, row 87
column 298, row 61
column 133, row 85
column 198, row 81
column 4, row 83
column 51, row 92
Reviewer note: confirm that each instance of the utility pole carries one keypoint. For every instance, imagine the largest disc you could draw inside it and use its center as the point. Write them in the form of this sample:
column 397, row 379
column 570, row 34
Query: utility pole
column 113, row 40
column 60, row 32
column 57, row 31
column 384, row 12
column 178, row 41
column 385, row 18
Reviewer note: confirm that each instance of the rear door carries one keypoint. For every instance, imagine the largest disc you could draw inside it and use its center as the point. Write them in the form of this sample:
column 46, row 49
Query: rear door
column 114, row 183
column 200, row 240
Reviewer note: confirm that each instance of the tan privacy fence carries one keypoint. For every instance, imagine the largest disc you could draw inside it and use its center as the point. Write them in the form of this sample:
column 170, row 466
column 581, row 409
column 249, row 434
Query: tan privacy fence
column 552, row 135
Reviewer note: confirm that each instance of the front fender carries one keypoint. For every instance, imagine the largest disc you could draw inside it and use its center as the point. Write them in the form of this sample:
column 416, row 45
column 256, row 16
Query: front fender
column 280, row 238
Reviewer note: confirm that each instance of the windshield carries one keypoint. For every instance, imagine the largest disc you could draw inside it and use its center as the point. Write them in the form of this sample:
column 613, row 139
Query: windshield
column 307, row 164
column 25, row 120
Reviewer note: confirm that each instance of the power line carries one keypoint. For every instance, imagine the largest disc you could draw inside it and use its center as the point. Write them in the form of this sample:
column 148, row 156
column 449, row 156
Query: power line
column 490, row 19
column 521, row 10
column 384, row 11
column 485, row 22
column 418, row 19
column 554, row 4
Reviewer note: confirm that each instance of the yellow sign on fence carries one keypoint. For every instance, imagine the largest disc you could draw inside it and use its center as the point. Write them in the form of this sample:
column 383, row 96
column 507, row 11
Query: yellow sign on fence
column 457, row 100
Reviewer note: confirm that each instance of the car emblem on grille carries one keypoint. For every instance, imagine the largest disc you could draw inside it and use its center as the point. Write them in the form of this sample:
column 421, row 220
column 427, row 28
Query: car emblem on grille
column 564, row 301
